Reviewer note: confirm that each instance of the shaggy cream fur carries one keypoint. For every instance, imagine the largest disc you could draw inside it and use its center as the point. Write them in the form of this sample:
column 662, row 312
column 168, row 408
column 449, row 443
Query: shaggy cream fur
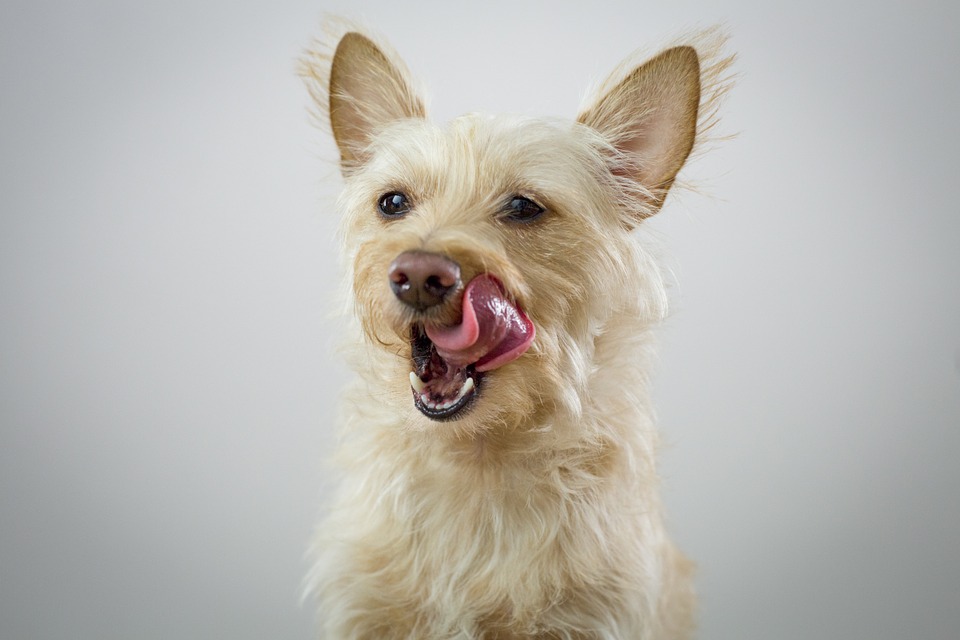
column 534, row 512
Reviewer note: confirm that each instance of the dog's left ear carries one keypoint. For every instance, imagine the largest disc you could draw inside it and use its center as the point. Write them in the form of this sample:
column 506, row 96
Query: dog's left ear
column 650, row 118
column 367, row 91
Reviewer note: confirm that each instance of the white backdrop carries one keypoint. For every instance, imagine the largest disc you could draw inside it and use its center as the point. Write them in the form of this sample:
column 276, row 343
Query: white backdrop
column 167, row 371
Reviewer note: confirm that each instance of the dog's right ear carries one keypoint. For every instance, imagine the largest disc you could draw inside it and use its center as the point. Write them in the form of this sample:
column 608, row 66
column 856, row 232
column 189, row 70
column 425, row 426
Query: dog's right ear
column 366, row 92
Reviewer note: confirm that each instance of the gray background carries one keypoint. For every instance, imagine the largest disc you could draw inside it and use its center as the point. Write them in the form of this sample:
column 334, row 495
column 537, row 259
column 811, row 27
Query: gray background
column 167, row 364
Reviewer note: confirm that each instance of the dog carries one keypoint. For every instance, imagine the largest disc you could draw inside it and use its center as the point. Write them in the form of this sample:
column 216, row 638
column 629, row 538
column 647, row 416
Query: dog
column 498, row 460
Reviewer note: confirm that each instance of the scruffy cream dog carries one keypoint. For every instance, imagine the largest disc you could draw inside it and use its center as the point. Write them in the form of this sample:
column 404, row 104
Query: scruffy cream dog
column 499, row 453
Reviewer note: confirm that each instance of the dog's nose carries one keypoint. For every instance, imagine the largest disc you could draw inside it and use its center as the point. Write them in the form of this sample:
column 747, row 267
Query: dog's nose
column 421, row 279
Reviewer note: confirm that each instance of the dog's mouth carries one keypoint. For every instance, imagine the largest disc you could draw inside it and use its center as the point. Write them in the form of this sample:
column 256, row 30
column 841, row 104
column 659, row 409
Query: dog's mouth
column 449, row 362
column 441, row 390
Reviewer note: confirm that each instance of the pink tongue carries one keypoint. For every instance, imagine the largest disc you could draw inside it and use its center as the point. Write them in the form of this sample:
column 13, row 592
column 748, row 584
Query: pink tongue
column 492, row 333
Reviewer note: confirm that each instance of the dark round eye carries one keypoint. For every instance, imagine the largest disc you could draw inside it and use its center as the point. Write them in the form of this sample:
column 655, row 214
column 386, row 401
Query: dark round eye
column 394, row 205
column 521, row 209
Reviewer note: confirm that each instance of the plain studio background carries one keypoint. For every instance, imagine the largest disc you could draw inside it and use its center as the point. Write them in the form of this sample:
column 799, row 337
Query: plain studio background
column 168, row 376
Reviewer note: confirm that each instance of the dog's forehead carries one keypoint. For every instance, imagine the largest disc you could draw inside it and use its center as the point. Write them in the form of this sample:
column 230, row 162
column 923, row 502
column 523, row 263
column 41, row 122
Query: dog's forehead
column 486, row 154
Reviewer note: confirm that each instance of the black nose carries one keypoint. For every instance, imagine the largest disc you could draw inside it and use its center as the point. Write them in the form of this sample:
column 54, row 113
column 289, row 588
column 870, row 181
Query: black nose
column 421, row 279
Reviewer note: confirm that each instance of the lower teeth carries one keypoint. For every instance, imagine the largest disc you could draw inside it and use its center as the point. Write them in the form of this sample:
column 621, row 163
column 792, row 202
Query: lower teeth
column 418, row 386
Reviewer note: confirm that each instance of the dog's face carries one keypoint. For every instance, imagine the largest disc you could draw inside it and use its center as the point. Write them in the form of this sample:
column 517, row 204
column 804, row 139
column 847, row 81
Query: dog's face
column 485, row 255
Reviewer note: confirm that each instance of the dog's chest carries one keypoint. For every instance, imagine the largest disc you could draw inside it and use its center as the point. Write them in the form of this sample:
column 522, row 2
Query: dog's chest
column 483, row 531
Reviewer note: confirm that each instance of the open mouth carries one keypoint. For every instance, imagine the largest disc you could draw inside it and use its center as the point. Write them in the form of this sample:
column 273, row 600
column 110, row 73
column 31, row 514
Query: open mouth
column 449, row 362
column 441, row 390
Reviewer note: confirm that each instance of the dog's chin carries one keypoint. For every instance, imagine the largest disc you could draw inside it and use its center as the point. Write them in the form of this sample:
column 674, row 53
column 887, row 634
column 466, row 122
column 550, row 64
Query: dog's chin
column 441, row 391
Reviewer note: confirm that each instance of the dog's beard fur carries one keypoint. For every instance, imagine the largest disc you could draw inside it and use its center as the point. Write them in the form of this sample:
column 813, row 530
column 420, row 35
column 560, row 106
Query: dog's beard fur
column 535, row 511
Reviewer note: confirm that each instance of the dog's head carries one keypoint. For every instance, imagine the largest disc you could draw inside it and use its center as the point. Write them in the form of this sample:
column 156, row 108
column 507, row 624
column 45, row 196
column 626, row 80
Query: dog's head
column 488, row 254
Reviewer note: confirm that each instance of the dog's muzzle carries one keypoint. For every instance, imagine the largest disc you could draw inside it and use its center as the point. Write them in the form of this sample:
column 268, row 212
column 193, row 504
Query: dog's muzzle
column 449, row 360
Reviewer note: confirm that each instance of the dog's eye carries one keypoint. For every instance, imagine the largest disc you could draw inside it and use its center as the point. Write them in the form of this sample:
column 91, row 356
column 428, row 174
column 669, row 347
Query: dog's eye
column 394, row 205
column 521, row 209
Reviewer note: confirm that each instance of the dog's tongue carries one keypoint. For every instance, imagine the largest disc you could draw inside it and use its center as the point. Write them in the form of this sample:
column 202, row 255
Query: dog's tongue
column 492, row 333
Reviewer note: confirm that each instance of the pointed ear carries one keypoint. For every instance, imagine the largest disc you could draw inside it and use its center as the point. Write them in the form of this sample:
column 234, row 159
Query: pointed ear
column 650, row 119
column 366, row 92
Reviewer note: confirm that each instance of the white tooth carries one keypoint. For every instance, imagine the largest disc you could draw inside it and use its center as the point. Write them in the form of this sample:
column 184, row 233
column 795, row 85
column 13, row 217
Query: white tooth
column 416, row 382
column 466, row 388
